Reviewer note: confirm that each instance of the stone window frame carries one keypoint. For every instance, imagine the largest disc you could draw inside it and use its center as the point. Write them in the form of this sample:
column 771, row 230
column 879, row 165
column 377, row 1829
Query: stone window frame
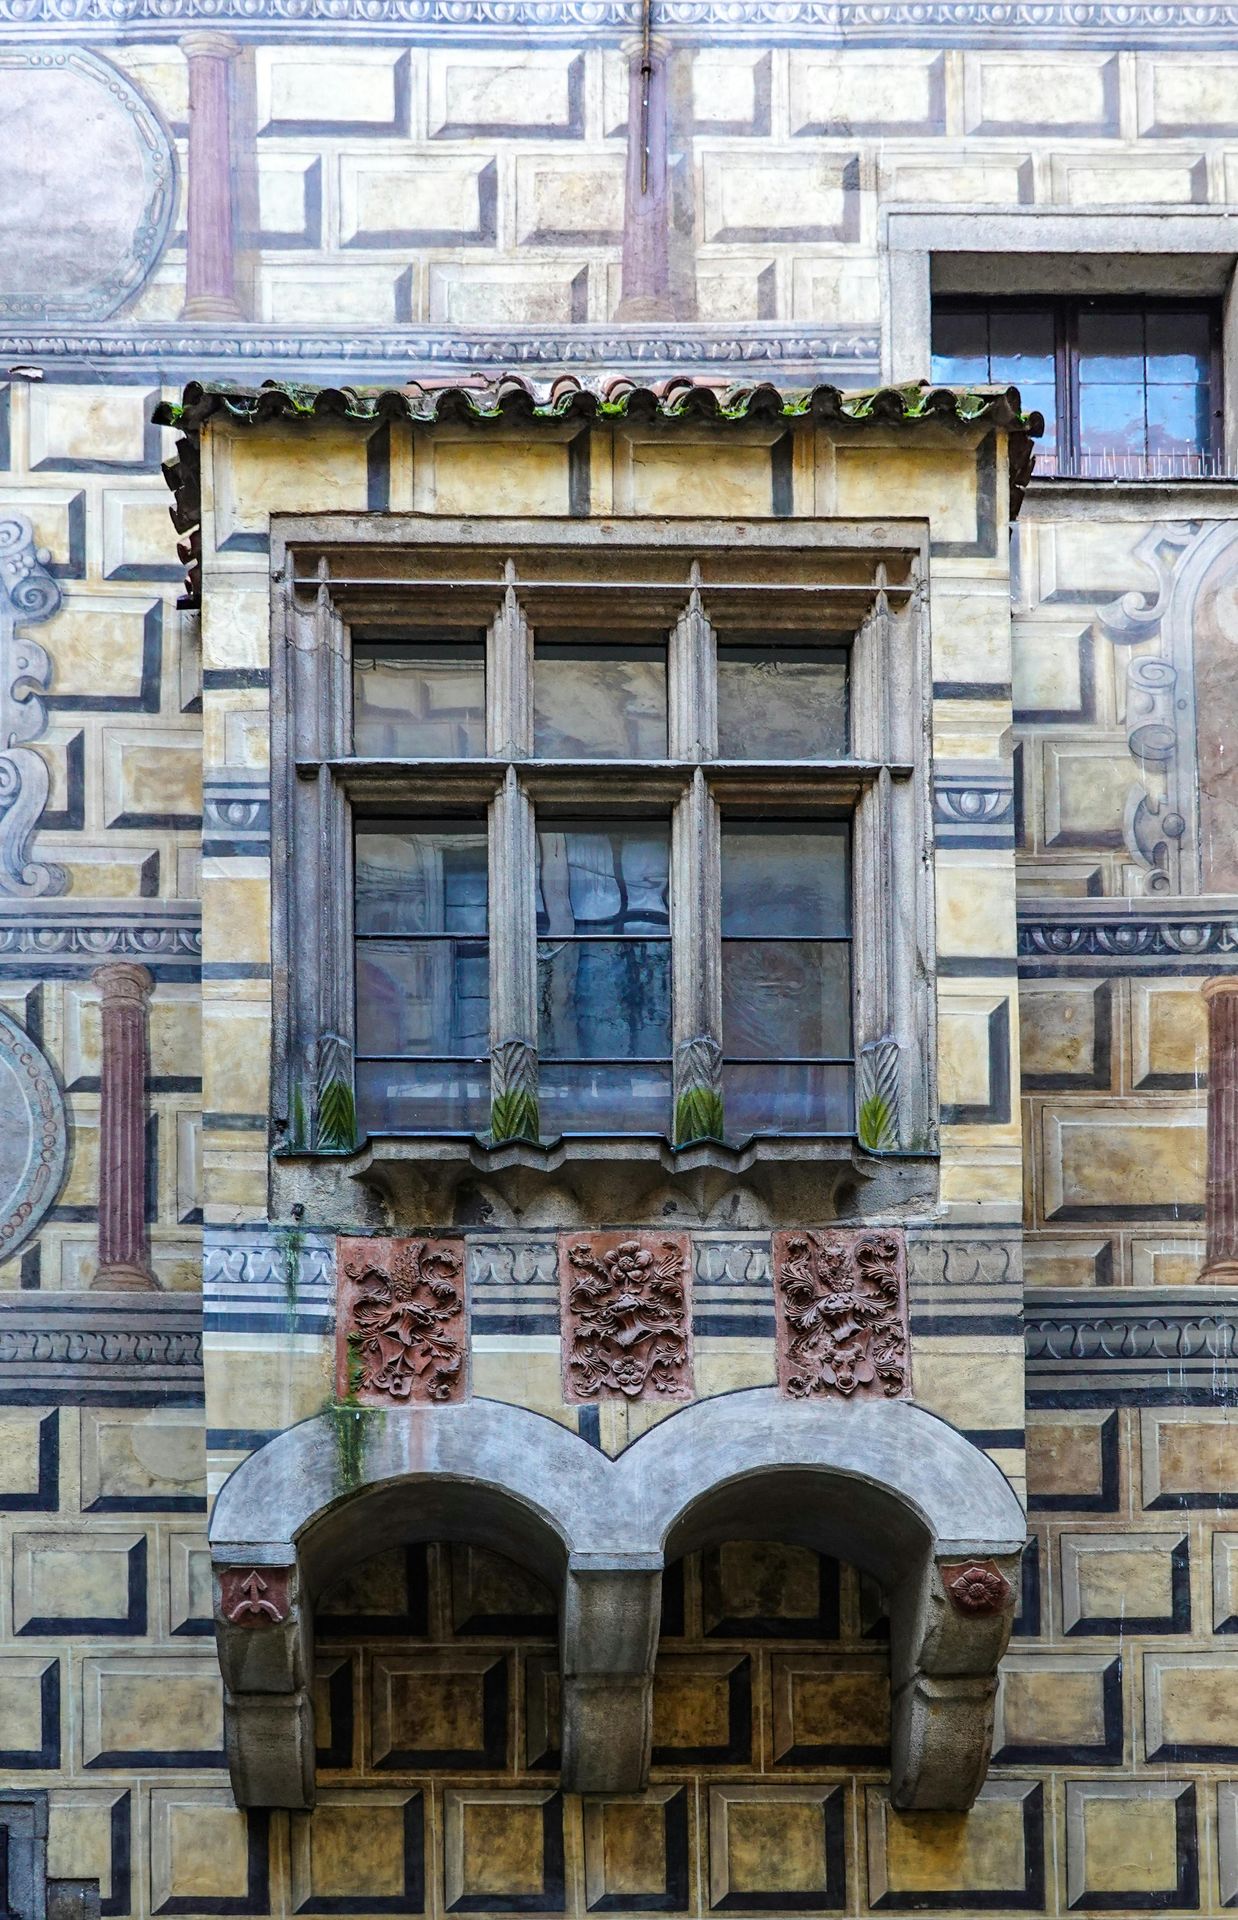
column 1139, row 250
column 325, row 569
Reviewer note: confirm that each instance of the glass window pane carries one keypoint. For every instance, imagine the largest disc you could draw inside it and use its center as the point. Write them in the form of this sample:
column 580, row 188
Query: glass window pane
column 785, row 999
column 423, row 997
column 419, row 700
column 775, row 1098
column 960, row 348
column 420, row 879
column 1021, row 345
column 1179, row 346
column 423, row 1096
column 1111, row 422
column 781, row 702
column 1178, row 419
column 595, row 877
column 604, row 999
column 1110, row 345
column 599, row 702
column 785, row 879
column 618, row 1098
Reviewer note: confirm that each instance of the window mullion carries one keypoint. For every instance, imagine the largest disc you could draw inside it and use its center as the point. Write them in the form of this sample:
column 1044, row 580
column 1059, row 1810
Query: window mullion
column 509, row 678
column 693, row 697
column 696, row 919
column 513, row 964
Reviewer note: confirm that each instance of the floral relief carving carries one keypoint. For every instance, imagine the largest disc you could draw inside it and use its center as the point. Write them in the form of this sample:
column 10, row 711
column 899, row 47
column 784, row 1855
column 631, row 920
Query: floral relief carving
column 841, row 1301
column 401, row 1338
column 977, row 1589
column 627, row 1321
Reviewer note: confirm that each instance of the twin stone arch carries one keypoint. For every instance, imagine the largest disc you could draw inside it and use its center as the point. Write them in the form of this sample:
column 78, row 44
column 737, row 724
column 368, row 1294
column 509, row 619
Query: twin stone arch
column 883, row 1484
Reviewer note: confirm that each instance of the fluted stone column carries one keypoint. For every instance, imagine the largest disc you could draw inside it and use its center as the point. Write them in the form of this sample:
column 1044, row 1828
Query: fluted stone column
column 1222, row 1189
column 124, row 1241
column 210, row 273
column 646, row 271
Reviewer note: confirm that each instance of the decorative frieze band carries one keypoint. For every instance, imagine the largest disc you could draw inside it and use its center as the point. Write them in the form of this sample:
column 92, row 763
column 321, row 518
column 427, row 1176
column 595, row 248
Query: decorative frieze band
column 99, row 1349
column 1107, row 937
column 1155, row 1346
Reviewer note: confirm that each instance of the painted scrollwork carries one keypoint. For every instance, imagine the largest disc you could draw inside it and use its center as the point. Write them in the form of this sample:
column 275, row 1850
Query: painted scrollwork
column 400, row 1324
column 842, row 1314
column 27, row 594
column 626, row 1316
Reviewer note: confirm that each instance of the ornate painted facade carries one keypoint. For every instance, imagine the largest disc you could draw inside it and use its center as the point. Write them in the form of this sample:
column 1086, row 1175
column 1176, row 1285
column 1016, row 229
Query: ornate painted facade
column 456, row 1713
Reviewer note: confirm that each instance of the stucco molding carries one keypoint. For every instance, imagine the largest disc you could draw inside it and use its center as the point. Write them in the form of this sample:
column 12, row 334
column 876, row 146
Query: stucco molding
column 882, row 1483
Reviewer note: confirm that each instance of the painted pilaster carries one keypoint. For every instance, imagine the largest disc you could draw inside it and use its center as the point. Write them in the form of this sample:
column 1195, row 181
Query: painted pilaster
column 210, row 273
column 124, row 1240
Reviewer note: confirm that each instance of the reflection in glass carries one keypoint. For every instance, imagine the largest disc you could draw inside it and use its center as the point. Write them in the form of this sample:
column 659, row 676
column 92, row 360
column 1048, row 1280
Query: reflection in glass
column 789, row 879
column 781, row 702
column 420, row 700
column 423, row 1096
column 595, row 702
column 422, row 976
column 782, row 1097
column 1005, row 347
column 604, row 976
column 786, row 999
column 786, row 978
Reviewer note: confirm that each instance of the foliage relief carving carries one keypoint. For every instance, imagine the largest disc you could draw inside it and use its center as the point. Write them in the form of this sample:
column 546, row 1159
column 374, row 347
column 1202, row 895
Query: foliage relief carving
column 841, row 1300
column 400, row 1327
column 627, row 1330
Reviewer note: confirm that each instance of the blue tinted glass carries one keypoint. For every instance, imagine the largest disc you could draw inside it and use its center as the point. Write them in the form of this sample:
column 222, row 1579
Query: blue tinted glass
column 1178, row 419
column 960, row 348
column 772, row 1097
column 423, row 997
column 1021, row 345
column 1179, row 347
column 1111, row 420
column 628, row 1098
column 1110, row 346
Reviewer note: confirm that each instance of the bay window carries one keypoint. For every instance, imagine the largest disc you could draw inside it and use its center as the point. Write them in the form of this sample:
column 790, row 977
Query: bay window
column 598, row 838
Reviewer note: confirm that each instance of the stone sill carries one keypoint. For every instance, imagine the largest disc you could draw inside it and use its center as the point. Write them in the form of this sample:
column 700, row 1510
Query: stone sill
column 637, row 1178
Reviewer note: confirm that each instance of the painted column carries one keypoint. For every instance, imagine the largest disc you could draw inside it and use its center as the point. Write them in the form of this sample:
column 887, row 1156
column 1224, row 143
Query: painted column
column 124, row 1242
column 210, row 275
column 646, row 284
column 1222, row 1189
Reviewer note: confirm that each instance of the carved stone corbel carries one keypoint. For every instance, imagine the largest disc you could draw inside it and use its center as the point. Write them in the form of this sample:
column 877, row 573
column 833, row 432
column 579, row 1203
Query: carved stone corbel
column 28, row 594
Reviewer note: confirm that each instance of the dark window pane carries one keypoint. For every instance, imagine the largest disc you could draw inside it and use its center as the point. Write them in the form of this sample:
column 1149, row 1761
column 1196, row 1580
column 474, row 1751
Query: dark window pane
column 1110, row 346
column 599, row 878
column 422, row 879
column 605, row 703
column 1178, row 420
column 1111, row 422
column 604, row 999
column 960, row 348
column 1179, row 347
column 1021, row 345
column 781, row 703
column 774, row 1098
column 618, row 1098
column 423, row 1096
column 783, row 999
column 785, row 879
column 419, row 700
column 423, row 997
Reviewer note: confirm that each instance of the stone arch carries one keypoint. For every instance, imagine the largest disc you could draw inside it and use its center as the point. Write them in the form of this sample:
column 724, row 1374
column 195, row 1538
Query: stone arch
column 882, row 1483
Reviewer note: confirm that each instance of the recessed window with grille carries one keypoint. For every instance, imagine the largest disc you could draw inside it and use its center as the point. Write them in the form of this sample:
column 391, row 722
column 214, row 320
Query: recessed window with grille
column 1129, row 389
column 600, row 839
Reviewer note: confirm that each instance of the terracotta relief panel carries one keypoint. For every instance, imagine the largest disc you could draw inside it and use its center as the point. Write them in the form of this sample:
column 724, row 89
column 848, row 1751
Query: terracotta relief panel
column 841, row 1303
column 626, row 1316
column 254, row 1596
column 401, row 1335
